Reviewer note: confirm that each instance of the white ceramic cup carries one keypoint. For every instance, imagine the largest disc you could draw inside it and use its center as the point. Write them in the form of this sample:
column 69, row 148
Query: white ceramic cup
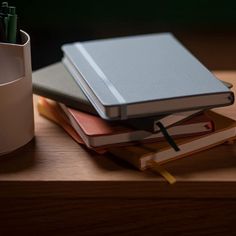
column 16, row 99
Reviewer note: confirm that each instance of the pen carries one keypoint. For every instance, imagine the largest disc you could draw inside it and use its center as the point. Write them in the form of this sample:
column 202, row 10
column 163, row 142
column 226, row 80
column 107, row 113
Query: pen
column 8, row 24
column 12, row 25
column 4, row 8
column 4, row 20
column 2, row 30
column 4, row 16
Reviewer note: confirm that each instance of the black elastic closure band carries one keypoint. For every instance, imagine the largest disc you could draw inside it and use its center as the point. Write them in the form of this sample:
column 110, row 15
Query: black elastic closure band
column 169, row 139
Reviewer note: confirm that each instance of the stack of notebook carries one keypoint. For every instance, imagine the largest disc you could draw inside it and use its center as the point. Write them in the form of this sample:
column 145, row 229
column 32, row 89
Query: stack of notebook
column 142, row 98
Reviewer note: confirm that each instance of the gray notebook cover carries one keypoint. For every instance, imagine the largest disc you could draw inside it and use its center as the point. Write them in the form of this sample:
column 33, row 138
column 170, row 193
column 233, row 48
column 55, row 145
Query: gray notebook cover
column 56, row 83
column 141, row 69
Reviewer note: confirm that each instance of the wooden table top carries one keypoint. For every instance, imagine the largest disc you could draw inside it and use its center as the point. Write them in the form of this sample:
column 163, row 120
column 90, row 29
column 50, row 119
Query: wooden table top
column 55, row 165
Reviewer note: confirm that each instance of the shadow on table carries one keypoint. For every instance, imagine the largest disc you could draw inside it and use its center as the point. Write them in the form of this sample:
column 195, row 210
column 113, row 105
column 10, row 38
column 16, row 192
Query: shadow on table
column 218, row 160
column 107, row 161
column 19, row 159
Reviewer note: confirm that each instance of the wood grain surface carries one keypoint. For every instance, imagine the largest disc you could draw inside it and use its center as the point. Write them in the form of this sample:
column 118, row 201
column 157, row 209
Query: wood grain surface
column 53, row 185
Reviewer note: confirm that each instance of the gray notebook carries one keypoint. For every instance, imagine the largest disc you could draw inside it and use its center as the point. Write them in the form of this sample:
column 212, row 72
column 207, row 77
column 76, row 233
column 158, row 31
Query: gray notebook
column 143, row 75
column 56, row 83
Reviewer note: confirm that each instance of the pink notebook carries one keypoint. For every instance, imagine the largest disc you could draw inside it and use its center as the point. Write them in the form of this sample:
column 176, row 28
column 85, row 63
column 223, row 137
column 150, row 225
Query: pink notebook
column 97, row 132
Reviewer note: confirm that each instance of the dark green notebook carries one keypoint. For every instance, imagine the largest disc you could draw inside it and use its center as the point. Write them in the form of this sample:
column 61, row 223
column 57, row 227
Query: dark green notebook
column 56, row 83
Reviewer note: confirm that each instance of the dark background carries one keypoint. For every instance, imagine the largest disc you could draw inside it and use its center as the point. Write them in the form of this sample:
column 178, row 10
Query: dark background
column 207, row 28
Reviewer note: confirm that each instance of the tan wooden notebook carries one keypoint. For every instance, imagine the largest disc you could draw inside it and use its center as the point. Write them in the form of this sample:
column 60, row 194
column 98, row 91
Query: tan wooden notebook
column 160, row 152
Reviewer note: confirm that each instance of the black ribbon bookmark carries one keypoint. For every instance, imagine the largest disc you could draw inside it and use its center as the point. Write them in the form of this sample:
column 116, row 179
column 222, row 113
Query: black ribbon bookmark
column 169, row 139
